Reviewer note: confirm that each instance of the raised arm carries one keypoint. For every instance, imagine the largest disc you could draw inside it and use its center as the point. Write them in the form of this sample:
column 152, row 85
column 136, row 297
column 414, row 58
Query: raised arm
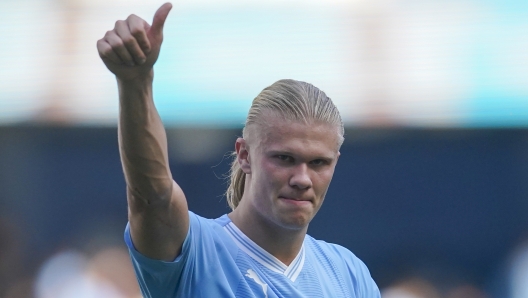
column 156, row 204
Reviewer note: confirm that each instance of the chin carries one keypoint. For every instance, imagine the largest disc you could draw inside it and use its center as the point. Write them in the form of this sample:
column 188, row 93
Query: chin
column 292, row 223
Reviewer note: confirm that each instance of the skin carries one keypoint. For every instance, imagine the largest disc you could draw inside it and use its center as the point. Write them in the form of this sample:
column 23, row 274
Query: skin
column 289, row 165
column 157, row 207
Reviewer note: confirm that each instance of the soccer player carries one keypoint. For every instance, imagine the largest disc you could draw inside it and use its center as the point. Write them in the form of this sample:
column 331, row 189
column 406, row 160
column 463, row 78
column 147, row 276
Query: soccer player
column 282, row 168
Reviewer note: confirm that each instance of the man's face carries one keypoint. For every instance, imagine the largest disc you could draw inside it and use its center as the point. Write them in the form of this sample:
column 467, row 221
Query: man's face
column 290, row 166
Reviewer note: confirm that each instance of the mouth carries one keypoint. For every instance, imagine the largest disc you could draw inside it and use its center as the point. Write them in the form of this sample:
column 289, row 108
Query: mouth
column 294, row 199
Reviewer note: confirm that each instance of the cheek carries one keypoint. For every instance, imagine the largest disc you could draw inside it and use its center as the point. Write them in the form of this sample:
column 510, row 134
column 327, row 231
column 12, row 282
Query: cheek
column 322, row 180
column 273, row 174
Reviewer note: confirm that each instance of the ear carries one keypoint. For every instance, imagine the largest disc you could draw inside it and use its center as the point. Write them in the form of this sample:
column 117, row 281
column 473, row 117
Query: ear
column 337, row 158
column 242, row 151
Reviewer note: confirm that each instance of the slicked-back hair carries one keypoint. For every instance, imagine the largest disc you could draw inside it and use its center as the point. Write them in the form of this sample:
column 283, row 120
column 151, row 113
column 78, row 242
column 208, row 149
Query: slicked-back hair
column 293, row 100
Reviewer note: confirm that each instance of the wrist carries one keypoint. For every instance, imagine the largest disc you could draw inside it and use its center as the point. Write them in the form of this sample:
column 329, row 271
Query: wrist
column 135, row 90
column 143, row 80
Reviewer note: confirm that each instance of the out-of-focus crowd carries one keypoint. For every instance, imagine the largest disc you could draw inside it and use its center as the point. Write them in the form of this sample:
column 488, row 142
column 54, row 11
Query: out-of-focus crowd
column 101, row 268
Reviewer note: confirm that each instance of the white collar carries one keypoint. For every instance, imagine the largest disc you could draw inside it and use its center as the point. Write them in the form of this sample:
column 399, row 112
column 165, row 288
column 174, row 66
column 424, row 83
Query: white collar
column 263, row 257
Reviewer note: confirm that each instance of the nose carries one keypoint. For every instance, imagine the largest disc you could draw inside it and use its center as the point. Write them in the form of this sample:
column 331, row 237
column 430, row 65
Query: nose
column 300, row 177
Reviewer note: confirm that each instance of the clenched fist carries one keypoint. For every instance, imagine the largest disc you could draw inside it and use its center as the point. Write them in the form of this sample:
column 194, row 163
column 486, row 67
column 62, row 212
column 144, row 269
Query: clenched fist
column 132, row 47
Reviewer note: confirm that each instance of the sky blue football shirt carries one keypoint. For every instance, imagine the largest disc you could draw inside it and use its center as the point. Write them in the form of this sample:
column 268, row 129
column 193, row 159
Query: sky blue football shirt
column 218, row 260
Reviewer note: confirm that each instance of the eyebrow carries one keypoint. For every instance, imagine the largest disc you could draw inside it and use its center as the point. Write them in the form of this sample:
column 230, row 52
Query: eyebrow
column 285, row 152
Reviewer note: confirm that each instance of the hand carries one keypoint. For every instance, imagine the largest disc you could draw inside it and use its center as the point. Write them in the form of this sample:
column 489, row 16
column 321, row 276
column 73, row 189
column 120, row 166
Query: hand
column 131, row 49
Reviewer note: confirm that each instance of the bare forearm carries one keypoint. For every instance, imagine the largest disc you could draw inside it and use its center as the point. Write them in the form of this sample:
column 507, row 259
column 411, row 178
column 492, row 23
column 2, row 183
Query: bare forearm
column 143, row 142
column 158, row 215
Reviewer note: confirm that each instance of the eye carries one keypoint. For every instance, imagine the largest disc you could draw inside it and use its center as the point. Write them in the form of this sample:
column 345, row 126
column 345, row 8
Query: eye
column 318, row 162
column 285, row 158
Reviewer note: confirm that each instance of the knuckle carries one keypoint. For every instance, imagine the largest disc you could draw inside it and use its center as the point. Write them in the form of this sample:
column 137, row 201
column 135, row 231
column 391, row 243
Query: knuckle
column 116, row 43
column 106, row 52
column 129, row 41
column 146, row 47
column 100, row 45
column 138, row 32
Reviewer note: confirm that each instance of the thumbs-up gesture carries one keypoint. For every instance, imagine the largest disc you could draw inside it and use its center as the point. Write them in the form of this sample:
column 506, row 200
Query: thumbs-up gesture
column 132, row 47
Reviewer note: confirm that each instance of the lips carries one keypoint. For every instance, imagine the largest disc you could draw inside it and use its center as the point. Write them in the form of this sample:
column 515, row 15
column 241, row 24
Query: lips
column 294, row 199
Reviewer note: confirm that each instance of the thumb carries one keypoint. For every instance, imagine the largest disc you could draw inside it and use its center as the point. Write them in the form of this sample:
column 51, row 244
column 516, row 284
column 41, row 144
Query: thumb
column 159, row 19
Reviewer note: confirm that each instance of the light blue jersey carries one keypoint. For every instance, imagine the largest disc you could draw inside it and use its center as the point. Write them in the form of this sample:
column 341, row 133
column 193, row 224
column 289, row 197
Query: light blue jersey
column 218, row 260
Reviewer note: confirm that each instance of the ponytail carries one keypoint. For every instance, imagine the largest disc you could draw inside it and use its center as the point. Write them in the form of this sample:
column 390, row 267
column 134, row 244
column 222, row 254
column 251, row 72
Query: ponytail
column 236, row 184
column 294, row 100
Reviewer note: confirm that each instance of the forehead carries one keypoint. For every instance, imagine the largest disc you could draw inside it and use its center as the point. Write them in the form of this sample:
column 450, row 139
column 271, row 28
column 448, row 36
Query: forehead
column 274, row 133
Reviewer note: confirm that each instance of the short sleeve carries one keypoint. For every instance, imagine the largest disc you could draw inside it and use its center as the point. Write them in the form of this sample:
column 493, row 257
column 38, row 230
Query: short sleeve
column 208, row 254
column 159, row 278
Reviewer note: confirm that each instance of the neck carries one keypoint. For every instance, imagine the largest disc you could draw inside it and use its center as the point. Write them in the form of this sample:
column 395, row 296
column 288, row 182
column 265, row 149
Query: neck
column 282, row 243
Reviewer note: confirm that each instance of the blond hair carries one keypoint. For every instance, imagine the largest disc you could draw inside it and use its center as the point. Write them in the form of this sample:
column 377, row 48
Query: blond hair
column 293, row 100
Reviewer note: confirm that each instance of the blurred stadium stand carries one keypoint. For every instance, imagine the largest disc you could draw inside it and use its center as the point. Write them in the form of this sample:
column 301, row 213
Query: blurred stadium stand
column 431, row 190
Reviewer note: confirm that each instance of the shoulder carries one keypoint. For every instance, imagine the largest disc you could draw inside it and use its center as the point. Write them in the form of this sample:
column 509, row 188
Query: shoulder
column 347, row 263
column 207, row 254
column 331, row 250
column 199, row 224
column 203, row 230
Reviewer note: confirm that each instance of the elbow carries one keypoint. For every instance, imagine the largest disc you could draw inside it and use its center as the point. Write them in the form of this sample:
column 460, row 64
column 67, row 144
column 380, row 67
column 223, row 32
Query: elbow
column 150, row 192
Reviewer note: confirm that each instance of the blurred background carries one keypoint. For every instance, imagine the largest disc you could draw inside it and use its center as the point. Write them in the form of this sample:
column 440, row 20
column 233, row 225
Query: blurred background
column 431, row 190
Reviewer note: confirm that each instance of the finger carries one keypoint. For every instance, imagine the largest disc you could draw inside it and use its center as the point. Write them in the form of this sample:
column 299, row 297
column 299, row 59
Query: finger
column 106, row 52
column 159, row 19
column 119, row 47
column 130, row 42
column 138, row 28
